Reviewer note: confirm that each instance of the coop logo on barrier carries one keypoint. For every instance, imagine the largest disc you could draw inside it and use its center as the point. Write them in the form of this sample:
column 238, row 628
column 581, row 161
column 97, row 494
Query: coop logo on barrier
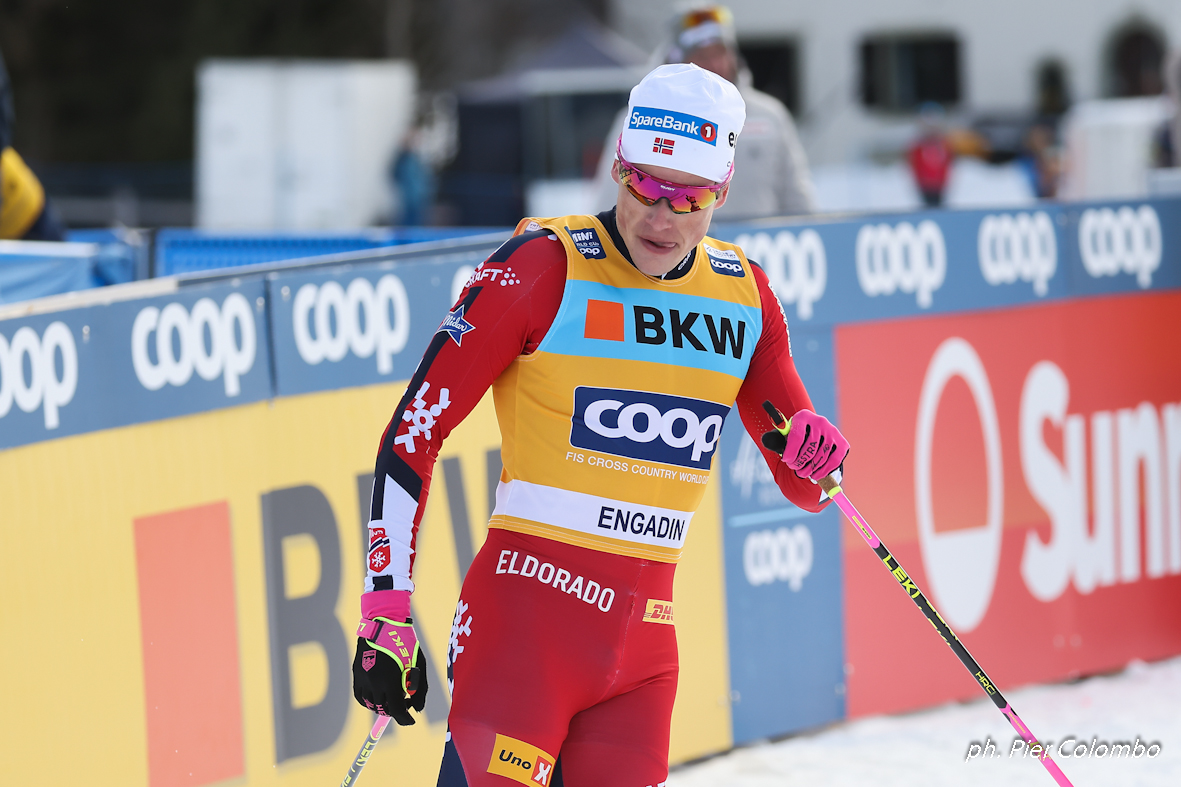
column 174, row 364
column 783, row 555
column 1022, row 247
column 655, row 427
column 331, row 320
column 1121, row 241
column 901, row 258
column 795, row 266
column 42, row 388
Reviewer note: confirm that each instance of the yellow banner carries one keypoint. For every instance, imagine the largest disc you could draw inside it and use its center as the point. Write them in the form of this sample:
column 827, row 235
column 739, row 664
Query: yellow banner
column 180, row 596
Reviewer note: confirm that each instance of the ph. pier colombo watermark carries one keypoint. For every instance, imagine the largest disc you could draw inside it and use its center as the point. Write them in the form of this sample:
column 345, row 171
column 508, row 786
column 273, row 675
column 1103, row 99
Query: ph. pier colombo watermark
column 1068, row 748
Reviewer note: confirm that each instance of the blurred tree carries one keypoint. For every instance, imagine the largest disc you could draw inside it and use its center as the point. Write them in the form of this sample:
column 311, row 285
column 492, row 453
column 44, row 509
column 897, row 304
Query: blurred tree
column 114, row 80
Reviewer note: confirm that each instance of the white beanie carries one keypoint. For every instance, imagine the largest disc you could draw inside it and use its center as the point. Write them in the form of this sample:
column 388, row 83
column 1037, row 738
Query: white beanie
column 684, row 117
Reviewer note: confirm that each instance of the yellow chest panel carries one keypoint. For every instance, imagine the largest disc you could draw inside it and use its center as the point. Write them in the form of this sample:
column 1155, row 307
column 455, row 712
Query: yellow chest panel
column 610, row 427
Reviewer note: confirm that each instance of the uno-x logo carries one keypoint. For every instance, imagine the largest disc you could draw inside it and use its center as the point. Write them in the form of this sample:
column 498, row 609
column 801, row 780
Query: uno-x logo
column 724, row 261
column 795, row 266
column 901, row 258
column 1018, row 247
column 223, row 357
column 1123, row 241
column 605, row 320
column 43, row 385
column 319, row 337
column 520, row 762
column 677, row 123
column 587, row 242
column 659, row 612
column 653, row 427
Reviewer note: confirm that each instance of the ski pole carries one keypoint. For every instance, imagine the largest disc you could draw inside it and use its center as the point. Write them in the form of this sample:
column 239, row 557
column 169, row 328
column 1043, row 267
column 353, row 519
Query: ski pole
column 362, row 757
column 834, row 492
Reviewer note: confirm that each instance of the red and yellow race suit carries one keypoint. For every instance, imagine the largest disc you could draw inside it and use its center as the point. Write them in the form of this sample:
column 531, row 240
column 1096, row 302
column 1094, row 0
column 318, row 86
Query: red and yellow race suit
column 611, row 388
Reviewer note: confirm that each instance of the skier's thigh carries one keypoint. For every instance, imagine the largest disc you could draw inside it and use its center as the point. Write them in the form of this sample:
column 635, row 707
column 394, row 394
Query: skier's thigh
column 622, row 742
column 482, row 756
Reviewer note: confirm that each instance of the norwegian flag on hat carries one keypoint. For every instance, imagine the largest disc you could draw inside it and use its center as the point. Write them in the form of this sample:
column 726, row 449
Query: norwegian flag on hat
column 665, row 146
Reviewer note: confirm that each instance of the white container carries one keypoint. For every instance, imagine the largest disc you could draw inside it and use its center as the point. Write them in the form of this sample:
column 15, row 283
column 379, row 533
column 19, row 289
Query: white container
column 1109, row 147
column 299, row 144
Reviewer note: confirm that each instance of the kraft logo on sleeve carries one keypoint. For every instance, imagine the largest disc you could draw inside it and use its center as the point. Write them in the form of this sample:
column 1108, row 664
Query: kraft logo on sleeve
column 520, row 762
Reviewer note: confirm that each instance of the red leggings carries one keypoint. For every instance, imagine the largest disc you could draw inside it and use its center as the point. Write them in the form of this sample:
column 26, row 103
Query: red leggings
column 560, row 650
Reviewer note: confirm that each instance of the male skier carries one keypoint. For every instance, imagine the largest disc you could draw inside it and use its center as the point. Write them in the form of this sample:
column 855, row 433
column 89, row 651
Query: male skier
column 614, row 345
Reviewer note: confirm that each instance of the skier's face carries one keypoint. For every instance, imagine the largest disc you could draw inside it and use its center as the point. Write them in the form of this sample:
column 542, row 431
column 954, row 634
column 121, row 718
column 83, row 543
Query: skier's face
column 658, row 238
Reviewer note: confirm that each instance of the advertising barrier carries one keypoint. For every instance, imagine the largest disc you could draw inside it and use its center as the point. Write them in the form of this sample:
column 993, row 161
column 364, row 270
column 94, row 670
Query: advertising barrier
column 186, row 472
column 1025, row 466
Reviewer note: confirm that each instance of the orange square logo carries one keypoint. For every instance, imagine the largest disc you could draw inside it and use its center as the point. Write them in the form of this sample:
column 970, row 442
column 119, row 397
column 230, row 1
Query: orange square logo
column 604, row 320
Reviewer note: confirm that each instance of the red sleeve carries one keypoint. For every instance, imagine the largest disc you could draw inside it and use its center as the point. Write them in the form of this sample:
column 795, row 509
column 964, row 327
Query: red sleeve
column 772, row 376
column 503, row 312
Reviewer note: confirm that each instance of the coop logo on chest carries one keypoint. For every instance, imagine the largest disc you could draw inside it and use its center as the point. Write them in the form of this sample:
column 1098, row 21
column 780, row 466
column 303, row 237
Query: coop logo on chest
column 724, row 261
column 587, row 242
column 653, row 427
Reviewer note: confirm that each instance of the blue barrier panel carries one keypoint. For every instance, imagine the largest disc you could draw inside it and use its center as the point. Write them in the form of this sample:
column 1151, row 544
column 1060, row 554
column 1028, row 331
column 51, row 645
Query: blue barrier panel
column 38, row 269
column 186, row 251
column 783, row 580
column 1124, row 247
column 131, row 252
column 942, row 261
column 359, row 325
column 97, row 367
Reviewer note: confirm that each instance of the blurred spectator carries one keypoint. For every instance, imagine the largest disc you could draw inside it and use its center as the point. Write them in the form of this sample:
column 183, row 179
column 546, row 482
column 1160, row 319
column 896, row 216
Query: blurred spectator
column 930, row 155
column 771, row 175
column 1169, row 146
column 1040, row 160
column 414, row 180
column 25, row 212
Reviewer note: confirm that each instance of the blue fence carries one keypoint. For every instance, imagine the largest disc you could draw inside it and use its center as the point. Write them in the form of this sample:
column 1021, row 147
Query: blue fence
column 37, row 269
column 186, row 251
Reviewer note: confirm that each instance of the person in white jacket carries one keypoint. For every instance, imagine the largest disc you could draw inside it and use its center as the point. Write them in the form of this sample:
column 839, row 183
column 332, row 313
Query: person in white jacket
column 771, row 175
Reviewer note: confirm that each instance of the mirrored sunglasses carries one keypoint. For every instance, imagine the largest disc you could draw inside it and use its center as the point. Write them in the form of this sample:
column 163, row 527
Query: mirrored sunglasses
column 650, row 189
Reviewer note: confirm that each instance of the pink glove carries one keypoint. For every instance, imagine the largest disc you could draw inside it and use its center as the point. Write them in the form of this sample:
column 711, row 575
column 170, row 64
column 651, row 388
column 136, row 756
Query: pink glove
column 815, row 448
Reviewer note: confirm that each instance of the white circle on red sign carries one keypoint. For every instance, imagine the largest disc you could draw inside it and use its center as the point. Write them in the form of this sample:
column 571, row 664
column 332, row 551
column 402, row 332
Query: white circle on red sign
column 961, row 565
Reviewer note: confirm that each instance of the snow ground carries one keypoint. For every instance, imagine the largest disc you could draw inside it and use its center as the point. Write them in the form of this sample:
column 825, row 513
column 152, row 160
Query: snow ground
column 929, row 747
